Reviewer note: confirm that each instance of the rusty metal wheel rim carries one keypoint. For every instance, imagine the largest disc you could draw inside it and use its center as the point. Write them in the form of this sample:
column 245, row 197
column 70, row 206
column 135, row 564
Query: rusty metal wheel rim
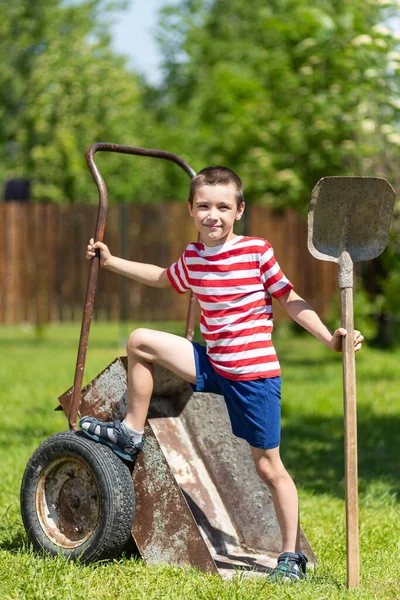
column 67, row 502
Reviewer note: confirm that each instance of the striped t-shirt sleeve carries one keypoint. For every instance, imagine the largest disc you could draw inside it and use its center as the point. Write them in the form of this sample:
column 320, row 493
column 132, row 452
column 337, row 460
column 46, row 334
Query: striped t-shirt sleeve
column 273, row 280
column 178, row 275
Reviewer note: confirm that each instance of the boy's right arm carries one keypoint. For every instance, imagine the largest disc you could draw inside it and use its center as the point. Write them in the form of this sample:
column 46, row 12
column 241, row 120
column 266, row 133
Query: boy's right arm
column 143, row 273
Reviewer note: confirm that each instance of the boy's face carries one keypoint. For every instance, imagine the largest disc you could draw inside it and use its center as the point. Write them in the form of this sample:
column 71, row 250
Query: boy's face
column 214, row 212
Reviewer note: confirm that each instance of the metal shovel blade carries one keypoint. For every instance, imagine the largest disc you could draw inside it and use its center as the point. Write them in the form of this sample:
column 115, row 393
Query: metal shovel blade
column 350, row 213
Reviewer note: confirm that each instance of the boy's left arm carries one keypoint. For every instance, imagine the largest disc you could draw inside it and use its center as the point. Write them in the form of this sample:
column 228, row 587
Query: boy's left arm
column 301, row 312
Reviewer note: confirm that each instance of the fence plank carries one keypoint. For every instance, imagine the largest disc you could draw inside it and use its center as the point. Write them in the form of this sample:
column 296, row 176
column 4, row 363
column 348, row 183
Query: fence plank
column 43, row 271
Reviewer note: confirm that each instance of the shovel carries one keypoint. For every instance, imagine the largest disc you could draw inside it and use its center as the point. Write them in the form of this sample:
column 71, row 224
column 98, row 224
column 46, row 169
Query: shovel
column 349, row 221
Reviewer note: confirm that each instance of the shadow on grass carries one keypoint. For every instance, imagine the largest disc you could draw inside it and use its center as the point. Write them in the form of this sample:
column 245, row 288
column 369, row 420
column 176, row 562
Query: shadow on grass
column 313, row 451
column 15, row 541
column 18, row 541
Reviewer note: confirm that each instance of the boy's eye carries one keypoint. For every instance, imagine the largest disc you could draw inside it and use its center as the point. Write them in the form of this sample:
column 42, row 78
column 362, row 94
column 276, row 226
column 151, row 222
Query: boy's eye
column 205, row 207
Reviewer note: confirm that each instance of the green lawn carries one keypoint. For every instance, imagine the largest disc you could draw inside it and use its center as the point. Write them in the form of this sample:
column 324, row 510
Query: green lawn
column 34, row 372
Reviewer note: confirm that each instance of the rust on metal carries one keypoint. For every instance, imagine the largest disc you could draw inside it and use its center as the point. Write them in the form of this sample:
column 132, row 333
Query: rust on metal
column 192, row 470
column 350, row 213
column 164, row 529
column 190, row 450
column 231, row 504
column 104, row 396
column 94, row 265
column 67, row 502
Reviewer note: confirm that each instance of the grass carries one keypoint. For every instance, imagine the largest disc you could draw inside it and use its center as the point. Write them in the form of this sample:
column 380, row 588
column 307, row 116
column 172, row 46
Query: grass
column 35, row 370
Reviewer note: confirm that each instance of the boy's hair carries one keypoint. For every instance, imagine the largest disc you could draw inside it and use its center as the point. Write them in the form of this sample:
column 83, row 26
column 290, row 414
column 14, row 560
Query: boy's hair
column 216, row 176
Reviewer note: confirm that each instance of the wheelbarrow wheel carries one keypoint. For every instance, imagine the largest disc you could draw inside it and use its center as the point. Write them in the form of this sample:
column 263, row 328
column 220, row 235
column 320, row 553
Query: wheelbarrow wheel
column 77, row 499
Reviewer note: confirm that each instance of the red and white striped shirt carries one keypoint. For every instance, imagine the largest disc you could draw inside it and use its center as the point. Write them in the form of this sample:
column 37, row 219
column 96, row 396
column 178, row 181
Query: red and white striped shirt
column 234, row 284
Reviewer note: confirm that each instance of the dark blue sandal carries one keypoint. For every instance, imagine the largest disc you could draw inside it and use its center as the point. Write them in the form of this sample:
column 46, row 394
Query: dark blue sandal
column 292, row 566
column 124, row 446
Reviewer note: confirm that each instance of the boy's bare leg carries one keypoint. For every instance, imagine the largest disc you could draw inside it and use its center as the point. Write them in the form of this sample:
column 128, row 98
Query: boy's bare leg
column 146, row 348
column 284, row 495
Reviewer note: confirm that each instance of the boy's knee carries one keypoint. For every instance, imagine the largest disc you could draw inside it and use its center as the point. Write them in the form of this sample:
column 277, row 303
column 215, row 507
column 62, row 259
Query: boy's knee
column 138, row 340
column 271, row 473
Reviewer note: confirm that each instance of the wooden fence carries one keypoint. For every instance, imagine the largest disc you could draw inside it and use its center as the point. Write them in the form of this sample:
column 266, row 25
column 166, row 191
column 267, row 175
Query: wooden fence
column 43, row 272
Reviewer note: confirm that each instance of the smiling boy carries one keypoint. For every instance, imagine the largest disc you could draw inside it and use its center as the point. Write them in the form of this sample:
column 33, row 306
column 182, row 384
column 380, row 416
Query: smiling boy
column 234, row 279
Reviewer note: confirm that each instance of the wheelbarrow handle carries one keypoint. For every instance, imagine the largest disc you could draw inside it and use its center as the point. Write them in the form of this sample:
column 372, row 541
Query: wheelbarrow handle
column 94, row 265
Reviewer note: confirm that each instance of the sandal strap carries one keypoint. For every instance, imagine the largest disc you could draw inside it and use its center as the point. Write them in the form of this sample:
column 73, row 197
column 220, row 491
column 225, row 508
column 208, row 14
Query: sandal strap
column 92, row 427
column 104, row 431
column 104, row 426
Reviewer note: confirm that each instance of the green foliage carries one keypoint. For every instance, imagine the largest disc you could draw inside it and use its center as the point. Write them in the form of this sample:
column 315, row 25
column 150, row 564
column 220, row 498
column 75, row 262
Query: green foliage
column 285, row 91
column 390, row 275
column 388, row 284
column 366, row 310
column 62, row 89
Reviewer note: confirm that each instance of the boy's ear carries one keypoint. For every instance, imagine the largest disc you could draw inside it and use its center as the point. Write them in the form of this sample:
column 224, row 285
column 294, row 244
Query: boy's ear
column 190, row 208
column 240, row 212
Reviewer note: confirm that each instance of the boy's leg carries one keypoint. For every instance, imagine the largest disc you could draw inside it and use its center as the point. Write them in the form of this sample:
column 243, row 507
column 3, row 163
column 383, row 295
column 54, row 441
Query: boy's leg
column 146, row 348
column 291, row 564
column 284, row 495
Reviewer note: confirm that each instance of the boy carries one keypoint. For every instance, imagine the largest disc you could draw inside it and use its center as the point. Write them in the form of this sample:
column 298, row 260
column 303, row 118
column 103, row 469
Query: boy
column 234, row 278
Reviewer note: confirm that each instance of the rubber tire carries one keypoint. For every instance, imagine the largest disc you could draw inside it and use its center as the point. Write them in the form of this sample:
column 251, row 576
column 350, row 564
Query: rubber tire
column 114, row 504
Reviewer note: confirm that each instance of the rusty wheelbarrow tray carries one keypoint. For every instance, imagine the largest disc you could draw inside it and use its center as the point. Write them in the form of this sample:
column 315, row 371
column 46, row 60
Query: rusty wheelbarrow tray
column 196, row 498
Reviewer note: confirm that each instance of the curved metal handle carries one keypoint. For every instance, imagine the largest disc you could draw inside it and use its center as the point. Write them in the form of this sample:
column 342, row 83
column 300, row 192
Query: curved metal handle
column 94, row 265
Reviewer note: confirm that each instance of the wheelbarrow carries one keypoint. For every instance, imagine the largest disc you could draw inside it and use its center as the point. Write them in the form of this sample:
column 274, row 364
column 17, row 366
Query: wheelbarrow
column 193, row 496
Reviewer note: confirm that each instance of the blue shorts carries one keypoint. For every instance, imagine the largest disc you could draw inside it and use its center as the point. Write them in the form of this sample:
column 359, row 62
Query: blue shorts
column 254, row 406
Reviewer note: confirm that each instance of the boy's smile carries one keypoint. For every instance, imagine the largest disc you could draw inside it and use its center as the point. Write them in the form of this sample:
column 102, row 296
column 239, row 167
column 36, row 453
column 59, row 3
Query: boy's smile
column 214, row 212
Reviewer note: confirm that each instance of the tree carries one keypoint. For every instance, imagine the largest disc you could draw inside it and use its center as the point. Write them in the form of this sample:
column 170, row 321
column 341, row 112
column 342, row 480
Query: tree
column 284, row 92
column 61, row 89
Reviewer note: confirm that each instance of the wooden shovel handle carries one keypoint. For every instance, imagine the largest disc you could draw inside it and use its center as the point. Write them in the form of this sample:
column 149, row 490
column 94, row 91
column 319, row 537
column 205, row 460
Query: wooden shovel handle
column 350, row 439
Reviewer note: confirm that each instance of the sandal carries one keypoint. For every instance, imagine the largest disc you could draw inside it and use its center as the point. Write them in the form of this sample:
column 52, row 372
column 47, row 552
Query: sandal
column 123, row 446
column 291, row 567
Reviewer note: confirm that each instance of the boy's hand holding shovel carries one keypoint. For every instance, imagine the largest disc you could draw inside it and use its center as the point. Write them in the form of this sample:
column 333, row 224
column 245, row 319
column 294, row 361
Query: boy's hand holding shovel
column 337, row 338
